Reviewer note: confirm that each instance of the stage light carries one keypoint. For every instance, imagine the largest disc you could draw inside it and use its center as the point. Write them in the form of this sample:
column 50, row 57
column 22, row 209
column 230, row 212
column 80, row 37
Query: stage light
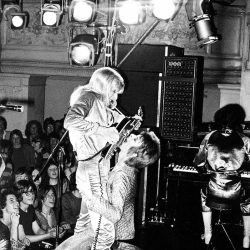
column 163, row 9
column 82, row 11
column 200, row 14
column 84, row 49
column 14, row 14
column 18, row 20
column 51, row 12
column 131, row 12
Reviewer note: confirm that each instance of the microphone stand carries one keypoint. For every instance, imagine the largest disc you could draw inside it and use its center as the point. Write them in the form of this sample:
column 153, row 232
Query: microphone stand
column 59, row 194
column 59, row 188
column 50, row 156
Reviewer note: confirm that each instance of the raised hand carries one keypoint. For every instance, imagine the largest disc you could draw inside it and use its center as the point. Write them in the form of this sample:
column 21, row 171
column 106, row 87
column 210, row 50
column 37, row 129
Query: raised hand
column 14, row 219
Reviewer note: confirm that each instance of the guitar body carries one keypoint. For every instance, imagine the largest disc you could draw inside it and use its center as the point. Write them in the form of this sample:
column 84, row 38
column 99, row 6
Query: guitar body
column 125, row 128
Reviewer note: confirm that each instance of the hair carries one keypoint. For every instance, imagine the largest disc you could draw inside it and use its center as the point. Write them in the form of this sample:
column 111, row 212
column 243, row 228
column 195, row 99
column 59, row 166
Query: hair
column 3, row 199
column 38, row 125
column 53, row 135
column 147, row 153
column 72, row 182
column 4, row 122
column 47, row 121
column 103, row 81
column 18, row 133
column 21, row 171
column 226, row 142
column 43, row 192
column 5, row 144
column 230, row 116
column 23, row 186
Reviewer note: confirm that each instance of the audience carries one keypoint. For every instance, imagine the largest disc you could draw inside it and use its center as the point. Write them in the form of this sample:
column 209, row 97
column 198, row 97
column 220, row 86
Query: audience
column 46, row 217
column 6, row 166
column 38, row 145
column 71, row 204
column 21, row 174
column 51, row 178
column 29, row 227
column 33, row 130
column 3, row 126
column 21, row 154
column 48, row 126
column 9, row 221
column 37, row 183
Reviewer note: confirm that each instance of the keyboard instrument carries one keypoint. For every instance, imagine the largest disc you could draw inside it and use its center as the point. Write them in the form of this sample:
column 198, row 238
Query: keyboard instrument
column 191, row 169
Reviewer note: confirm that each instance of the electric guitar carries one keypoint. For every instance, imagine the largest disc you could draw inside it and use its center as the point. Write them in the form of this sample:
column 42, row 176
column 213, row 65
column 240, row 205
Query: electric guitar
column 125, row 128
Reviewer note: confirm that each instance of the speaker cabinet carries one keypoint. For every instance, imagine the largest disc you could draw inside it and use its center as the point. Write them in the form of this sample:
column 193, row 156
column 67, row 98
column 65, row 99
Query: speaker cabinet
column 181, row 97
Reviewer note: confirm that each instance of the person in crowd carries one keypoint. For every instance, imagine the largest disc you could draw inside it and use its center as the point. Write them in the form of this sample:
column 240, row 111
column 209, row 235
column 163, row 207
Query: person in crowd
column 52, row 141
column 9, row 221
column 33, row 130
column 21, row 174
column 29, row 227
column 38, row 145
column 6, row 167
column 89, row 122
column 71, row 204
column 51, row 178
column 58, row 125
column 37, row 183
column 22, row 155
column 46, row 217
column 224, row 153
column 4, row 134
column 137, row 152
column 48, row 126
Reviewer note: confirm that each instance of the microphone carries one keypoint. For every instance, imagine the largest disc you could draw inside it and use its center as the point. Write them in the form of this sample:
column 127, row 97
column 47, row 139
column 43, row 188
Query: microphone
column 17, row 108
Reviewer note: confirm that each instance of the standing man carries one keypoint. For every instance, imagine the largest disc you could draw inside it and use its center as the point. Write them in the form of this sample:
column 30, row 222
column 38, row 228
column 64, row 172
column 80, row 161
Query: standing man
column 89, row 122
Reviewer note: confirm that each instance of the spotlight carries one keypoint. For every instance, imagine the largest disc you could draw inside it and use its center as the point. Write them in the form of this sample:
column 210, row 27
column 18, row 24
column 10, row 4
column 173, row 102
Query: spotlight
column 131, row 12
column 200, row 14
column 51, row 12
column 84, row 49
column 18, row 20
column 13, row 13
column 82, row 11
column 163, row 9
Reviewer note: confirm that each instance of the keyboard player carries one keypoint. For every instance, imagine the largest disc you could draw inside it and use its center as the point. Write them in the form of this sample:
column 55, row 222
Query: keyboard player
column 224, row 153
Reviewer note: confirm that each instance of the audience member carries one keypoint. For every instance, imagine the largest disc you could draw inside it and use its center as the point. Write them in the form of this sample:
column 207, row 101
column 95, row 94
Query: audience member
column 39, row 148
column 71, row 203
column 58, row 125
column 3, row 126
column 21, row 174
column 51, row 178
column 37, row 183
column 6, row 169
column 22, row 155
column 33, row 130
column 29, row 227
column 48, row 126
column 46, row 217
column 9, row 221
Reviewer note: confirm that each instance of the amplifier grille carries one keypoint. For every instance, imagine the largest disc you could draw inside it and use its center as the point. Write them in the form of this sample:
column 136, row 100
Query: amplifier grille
column 181, row 98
